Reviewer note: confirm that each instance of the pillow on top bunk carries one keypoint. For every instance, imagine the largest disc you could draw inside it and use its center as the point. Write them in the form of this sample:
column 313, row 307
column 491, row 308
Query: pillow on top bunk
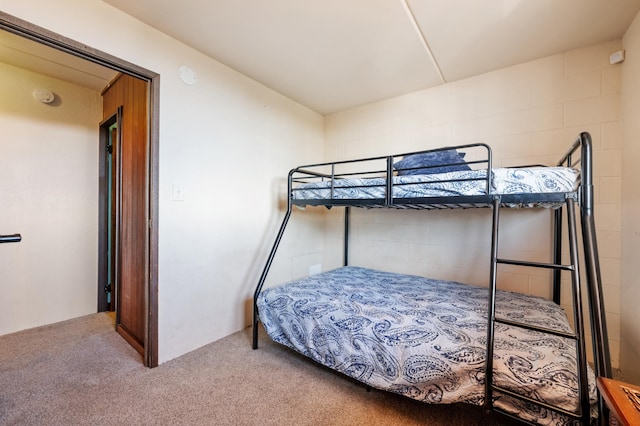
column 410, row 165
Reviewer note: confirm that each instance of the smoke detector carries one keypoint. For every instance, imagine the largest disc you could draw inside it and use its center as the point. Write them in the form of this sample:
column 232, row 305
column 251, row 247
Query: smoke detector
column 44, row 96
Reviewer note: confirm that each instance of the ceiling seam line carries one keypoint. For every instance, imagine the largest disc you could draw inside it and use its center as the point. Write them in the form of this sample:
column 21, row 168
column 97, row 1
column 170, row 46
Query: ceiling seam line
column 425, row 44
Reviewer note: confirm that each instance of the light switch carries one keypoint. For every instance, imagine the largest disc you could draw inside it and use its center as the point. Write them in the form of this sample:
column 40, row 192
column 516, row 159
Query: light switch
column 177, row 193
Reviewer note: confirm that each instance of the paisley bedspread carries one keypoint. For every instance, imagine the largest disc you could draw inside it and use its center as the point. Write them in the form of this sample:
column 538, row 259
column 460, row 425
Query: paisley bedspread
column 529, row 180
column 425, row 338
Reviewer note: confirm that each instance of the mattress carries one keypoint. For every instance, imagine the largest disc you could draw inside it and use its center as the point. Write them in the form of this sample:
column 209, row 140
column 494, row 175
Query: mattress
column 530, row 180
column 425, row 338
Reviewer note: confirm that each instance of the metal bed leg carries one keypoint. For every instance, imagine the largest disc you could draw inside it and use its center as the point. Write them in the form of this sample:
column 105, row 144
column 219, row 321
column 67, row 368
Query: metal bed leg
column 347, row 211
column 263, row 277
column 599, row 333
column 596, row 302
column 557, row 254
column 488, row 376
column 594, row 281
column 581, row 353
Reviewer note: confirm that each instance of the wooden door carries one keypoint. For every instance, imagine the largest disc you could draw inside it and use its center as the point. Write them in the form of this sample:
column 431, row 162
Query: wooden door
column 131, row 94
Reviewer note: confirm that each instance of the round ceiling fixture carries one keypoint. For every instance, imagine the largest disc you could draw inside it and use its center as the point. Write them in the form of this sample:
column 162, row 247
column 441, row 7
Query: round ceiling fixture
column 44, row 96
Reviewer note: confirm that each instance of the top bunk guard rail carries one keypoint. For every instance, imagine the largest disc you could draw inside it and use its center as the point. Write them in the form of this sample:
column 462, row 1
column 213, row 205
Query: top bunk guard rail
column 580, row 153
column 361, row 160
column 314, row 173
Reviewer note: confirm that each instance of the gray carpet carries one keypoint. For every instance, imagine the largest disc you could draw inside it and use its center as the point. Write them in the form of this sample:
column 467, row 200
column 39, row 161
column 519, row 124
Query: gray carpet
column 81, row 372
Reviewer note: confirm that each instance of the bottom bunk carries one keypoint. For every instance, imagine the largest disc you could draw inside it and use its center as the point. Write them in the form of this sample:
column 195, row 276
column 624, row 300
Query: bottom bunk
column 426, row 339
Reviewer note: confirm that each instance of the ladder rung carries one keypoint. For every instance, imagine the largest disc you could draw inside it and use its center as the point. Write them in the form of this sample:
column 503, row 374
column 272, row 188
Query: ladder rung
column 536, row 264
column 512, row 394
column 536, row 328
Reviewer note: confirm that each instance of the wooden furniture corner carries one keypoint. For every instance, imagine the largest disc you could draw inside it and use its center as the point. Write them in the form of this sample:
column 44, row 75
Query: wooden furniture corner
column 618, row 397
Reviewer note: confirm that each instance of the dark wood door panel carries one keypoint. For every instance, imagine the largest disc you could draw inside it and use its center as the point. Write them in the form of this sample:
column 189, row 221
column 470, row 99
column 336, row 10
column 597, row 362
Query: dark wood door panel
column 133, row 249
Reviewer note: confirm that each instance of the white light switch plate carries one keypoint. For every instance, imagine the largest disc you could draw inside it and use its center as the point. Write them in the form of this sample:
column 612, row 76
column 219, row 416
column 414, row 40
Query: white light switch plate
column 177, row 193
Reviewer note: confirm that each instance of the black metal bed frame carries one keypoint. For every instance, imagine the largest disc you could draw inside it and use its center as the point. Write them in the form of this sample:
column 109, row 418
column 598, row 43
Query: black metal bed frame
column 579, row 154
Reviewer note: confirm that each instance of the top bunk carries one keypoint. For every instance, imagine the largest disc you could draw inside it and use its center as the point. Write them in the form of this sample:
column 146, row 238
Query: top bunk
column 459, row 176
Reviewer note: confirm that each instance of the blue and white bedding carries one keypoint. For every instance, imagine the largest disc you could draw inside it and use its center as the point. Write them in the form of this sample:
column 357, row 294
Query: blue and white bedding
column 529, row 180
column 425, row 338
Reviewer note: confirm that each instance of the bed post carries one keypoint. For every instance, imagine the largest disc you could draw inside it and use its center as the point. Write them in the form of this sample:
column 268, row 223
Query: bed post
column 272, row 254
column 578, row 313
column 347, row 211
column 557, row 253
column 594, row 280
column 592, row 266
column 491, row 310
column 263, row 277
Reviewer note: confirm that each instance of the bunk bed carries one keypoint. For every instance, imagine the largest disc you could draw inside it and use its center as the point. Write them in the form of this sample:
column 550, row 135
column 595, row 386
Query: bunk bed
column 440, row 341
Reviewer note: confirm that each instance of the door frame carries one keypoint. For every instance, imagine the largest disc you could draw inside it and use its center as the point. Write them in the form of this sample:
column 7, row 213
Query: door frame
column 109, row 213
column 41, row 35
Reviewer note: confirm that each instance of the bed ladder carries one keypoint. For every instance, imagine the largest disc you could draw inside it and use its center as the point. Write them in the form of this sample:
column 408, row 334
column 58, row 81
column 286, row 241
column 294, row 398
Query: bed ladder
column 583, row 413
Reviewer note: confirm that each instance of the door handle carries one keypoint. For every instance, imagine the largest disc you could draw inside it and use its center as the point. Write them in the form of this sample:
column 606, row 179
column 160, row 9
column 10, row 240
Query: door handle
column 13, row 238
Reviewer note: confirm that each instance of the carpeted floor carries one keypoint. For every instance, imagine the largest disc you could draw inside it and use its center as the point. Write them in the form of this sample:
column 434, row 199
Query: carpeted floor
column 81, row 372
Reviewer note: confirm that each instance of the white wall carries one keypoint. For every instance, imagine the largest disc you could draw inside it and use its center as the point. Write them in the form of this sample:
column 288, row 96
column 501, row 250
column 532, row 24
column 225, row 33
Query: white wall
column 228, row 142
column 630, row 287
column 529, row 114
column 49, row 194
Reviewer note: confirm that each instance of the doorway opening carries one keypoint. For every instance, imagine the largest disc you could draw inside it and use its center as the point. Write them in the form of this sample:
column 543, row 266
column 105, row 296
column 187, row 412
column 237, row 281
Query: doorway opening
column 149, row 265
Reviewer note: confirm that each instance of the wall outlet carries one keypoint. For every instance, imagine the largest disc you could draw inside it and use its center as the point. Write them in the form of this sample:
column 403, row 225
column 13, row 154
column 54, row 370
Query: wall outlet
column 315, row 269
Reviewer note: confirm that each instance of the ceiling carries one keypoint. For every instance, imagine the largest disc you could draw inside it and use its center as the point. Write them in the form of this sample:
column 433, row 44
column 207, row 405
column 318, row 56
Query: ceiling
column 30, row 55
column 331, row 55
